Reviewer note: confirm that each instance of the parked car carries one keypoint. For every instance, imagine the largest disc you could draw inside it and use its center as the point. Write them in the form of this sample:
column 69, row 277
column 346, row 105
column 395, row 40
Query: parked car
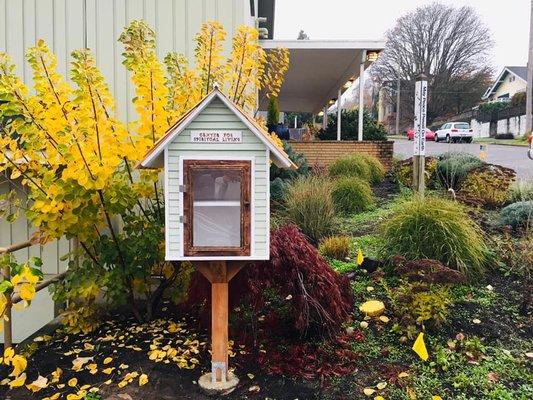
column 430, row 135
column 454, row 132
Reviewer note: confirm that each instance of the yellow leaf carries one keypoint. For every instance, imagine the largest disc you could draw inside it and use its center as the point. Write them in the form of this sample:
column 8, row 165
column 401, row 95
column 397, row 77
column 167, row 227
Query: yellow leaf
column 143, row 380
column 379, row 398
column 8, row 355
column 360, row 257
column 19, row 365
column 53, row 397
column 108, row 371
column 403, row 375
column 18, row 382
column 368, row 391
column 381, row 385
column 121, row 384
column 419, row 347
column 72, row 382
column 40, row 383
column 88, row 346
column 80, row 362
column 107, row 360
column 27, row 291
column 108, row 382
column 436, row 398
column 73, row 396
column 56, row 375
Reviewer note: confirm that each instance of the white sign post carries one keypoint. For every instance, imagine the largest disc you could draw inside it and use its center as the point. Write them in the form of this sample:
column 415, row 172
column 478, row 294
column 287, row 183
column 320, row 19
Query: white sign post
column 419, row 151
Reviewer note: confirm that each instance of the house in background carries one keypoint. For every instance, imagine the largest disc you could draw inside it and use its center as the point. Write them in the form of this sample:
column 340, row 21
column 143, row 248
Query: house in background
column 510, row 81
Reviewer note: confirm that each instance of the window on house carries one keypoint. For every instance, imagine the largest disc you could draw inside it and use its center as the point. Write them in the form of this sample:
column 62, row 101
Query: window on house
column 217, row 207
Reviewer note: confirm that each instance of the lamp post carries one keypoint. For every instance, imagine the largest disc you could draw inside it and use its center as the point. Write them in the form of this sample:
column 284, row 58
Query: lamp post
column 419, row 150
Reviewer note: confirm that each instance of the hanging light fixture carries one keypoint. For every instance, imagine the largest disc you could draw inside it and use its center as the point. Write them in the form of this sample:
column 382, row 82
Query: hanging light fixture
column 372, row 55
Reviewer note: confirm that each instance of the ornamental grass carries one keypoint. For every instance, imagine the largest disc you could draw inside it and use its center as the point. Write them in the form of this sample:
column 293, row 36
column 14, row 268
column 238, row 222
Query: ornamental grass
column 435, row 228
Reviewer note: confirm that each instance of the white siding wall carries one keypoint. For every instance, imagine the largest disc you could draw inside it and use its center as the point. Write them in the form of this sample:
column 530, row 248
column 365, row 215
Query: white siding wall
column 67, row 25
column 217, row 116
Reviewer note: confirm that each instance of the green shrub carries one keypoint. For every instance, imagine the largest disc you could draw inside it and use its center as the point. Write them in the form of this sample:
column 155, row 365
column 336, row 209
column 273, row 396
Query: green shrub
column 519, row 214
column 337, row 247
column 362, row 166
column 376, row 170
column 453, row 168
column 353, row 165
column 372, row 130
column 309, row 205
column 351, row 195
column 435, row 228
column 280, row 178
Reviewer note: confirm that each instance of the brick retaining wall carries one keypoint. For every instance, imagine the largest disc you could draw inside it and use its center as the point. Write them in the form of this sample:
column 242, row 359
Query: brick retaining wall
column 325, row 152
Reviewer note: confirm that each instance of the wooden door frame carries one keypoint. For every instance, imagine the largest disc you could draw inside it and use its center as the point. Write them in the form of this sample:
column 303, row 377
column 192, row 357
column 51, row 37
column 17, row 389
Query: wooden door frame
column 188, row 165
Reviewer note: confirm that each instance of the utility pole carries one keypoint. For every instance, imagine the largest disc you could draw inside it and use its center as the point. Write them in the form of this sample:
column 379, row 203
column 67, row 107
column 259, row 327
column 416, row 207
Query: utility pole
column 398, row 84
column 419, row 150
column 529, row 88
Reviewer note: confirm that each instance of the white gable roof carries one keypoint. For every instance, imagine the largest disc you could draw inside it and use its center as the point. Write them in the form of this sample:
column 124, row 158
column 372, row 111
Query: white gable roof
column 154, row 157
column 506, row 70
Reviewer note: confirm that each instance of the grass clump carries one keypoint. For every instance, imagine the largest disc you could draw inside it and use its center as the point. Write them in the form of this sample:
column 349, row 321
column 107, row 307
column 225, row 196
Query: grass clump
column 453, row 168
column 337, row 247
column 521, row 191
column 438, row 229
column 352, row 195
column 361, row 166
column 310, row 206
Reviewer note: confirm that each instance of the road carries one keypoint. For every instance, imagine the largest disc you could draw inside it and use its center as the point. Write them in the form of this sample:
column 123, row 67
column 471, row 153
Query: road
column 514, row 157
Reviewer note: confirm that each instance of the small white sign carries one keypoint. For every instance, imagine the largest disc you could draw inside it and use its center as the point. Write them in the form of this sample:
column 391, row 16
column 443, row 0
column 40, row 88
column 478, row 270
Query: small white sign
column 421, row 96
column 216, row 136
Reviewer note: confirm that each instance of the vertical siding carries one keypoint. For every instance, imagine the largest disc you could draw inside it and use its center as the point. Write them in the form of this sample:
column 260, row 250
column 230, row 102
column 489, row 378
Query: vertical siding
column 67, row 25
column 217, row 116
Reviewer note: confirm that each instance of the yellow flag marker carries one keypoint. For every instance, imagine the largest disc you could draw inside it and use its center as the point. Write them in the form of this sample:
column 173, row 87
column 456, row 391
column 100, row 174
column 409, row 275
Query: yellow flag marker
column 420, row 347
column 360, row 257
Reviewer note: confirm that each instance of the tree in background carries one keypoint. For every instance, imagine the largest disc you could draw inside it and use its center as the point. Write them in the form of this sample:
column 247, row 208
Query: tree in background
column 75, row 158
column 449, row 45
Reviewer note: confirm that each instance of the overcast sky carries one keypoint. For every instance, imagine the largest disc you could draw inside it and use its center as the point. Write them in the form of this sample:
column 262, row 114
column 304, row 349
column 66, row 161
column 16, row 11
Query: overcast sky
column 357, row 19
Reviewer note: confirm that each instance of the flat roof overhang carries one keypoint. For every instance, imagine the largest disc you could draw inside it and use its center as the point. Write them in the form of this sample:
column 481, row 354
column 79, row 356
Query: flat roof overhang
column 317, row 69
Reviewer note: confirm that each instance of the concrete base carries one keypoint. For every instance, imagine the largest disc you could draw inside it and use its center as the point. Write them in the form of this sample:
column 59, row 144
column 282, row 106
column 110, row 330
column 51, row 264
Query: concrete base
column 218, row 387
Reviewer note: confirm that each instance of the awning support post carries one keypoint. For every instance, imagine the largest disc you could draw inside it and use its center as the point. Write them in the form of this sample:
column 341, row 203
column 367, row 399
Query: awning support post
column 361, row 95
column 325, row 118
column 339, row 124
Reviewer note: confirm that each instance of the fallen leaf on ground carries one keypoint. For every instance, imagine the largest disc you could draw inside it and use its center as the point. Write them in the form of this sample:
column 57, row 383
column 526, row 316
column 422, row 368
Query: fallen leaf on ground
column 79, row 362
column 107, row 360
column 368, row 391
column 254, row 389
column 381, row 385
column 72, row 382
column 18, row 382
column 19, row 365
column 40, row 383
column 143, row 380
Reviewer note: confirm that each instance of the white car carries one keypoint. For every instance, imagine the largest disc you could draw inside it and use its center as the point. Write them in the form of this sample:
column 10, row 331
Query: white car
column 454, row 132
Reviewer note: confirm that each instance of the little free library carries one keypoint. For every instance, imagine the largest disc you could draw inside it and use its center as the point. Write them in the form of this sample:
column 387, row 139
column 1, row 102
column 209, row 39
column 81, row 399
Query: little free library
column 216, row 163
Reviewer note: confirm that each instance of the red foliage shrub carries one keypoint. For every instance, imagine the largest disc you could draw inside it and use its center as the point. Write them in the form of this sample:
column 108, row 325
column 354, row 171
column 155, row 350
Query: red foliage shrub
column 296, row 292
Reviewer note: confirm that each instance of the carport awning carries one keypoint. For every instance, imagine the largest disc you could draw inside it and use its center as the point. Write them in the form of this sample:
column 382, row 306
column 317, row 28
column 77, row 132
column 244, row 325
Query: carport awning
column 317, row 69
